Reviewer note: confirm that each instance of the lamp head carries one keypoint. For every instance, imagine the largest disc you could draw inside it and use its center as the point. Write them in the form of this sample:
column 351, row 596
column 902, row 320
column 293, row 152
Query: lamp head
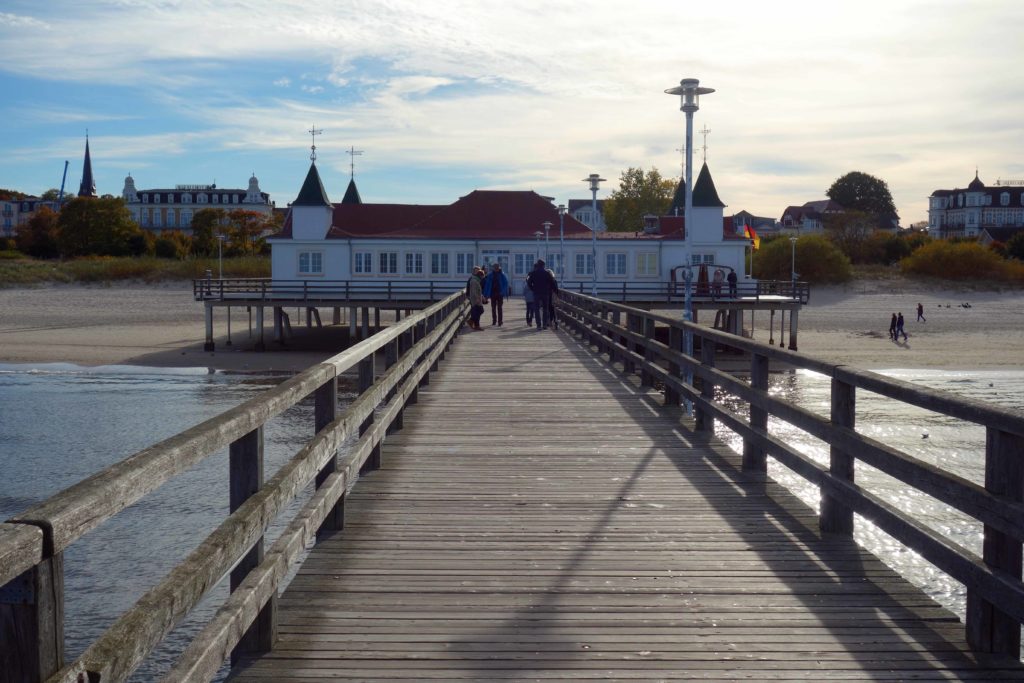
column 689, row 92
column 595, row 180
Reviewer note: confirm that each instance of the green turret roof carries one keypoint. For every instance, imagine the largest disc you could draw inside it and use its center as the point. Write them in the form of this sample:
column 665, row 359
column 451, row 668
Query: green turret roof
column 704, row 192
column 352, row 194
column 312, row 192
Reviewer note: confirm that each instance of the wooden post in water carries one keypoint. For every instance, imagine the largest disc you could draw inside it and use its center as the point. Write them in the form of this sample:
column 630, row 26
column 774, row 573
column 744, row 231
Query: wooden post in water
column 325, row 410
column 835, row 517
column 32, row 623
column 208, row 346
column 260, row 344
column 754, row 457
column 366, row 323
column 793, row 324
column 988, row 628
column 246, row 478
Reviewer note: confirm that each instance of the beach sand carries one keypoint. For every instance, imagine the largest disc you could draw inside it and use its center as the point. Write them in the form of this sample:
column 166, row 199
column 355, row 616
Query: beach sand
column 162, row 326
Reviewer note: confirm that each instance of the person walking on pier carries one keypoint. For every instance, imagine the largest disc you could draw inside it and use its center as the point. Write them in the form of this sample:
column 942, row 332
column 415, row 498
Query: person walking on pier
column 732, row 283
column 531, row 306
column 542, row 282
column 920, row 313
column 892, row 328
column 899, row 327
column 496, row 289
column 474, row 293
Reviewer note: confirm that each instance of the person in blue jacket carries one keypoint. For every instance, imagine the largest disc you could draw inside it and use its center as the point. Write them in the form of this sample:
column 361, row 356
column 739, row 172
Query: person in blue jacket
column 496, row 289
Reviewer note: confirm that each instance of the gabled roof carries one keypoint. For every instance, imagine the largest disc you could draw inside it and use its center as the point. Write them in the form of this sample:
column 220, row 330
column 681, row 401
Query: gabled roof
column 312, row 192
column 825, row 206
column 352, row 194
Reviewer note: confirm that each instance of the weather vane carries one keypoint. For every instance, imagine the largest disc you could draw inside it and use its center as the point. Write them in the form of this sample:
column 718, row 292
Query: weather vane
column 682, row 161
column 353, row 153
column 314, row 131
column 704, row 131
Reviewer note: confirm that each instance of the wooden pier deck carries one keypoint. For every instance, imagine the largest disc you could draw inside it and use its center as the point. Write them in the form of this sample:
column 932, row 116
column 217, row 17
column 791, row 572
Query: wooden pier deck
column 541, row 517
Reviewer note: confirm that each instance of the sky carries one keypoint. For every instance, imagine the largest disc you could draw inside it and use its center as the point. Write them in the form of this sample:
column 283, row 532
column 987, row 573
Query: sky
column 447, row 96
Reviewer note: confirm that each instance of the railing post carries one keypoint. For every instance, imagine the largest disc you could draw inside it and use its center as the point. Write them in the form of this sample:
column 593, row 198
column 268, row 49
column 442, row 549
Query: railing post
column 325, row 410
column 988, row 628
column 705, row 421
column 392, row 351
column 754, row 457
column 647, row 324
column 246, row 478
column 628, row 365
column 835, row 517
column 675, row 343
column 32, row 623
column 365, row 382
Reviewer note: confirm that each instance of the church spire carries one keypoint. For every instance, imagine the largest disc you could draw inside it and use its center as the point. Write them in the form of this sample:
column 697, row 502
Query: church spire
column 88, row 186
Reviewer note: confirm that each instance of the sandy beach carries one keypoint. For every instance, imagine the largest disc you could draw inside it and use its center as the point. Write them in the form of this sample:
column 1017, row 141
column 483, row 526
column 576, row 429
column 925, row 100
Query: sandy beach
column 162, row 326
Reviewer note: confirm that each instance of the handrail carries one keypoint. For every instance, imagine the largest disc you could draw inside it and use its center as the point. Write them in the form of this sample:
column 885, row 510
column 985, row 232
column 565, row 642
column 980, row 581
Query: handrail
column 31, row 544
column 995, row 592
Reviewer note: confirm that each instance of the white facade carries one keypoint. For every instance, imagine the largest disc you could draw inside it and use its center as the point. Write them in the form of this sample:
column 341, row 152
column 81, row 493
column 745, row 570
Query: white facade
column 173, row 209
column 967, row 212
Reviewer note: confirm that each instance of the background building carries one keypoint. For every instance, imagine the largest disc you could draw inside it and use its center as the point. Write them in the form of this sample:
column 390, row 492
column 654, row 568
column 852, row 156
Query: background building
column 172, row 209
column 967, row 212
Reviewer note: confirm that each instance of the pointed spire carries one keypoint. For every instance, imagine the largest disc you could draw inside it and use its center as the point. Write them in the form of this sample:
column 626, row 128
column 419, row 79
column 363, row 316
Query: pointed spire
column 352, row 194
column 312, row 192
column 88, row 186
column 704, row 192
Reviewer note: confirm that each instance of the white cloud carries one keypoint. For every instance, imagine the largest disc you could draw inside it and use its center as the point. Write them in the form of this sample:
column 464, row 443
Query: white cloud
column 20, row 21
column 312, row 89
column 283, row 82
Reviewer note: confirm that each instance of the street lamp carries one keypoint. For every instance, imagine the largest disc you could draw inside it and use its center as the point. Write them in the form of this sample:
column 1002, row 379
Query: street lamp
column 689, row 101
column 536, row 236
column 547, row 240
column 595, row 180
column 220, row 257
column 561, row 242
column 792, row 266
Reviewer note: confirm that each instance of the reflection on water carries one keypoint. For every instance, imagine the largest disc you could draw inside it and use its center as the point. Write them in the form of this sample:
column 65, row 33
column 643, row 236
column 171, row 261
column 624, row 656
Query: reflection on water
column 61, row 423
column 955, row 446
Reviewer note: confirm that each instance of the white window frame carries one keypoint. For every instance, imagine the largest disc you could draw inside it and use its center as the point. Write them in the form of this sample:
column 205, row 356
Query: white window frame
column 387, row 263
column 587, row 262
column 440, row 263
column 522, row 263
column 362, row 263
column 314, row 266
column 413, row 263
column 615, row 264
column 647, row 264
column 464, row 263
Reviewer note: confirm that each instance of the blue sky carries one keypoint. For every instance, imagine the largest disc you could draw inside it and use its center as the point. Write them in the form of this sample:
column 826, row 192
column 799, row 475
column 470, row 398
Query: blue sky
column 448, row 97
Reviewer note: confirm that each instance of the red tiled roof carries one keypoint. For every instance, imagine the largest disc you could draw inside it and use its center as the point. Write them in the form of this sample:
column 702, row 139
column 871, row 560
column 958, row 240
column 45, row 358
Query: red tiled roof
column 378, row 220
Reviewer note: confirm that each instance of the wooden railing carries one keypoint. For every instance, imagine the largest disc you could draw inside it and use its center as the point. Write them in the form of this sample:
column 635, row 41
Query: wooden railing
column 995, row 593
column 32, row 544
column 675, row 292
column 312, row 291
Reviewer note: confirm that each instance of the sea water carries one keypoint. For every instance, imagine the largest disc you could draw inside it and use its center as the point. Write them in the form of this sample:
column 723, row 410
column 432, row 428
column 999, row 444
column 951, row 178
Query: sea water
column 61, row 423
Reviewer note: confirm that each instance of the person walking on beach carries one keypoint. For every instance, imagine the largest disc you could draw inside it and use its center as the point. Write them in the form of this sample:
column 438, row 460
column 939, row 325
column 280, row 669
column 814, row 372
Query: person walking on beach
column 899, row 327
column 892, row 327
column 920, row 313
column 732, row 283
column 496, row 289
column 474, row 293
column 543, row 285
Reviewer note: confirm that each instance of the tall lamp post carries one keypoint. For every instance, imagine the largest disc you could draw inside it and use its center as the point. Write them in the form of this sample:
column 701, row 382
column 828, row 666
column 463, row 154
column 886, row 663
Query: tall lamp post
column 536, row 236
column 792, row 266
column 561, row 242
column 595, row 180
column 220, row 257
column 547, row 241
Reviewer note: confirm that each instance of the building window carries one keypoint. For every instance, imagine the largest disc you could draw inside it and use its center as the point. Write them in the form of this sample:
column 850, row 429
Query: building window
column 388, row 262
column 145, row 199
column 203, row 199
column 615, row 264
column 523, row 264
column 647, row 264
column 234, row 198
column 555, row 262
column 364, row 263
column 311, row 263
column 1004, row 199
column 584, row 264
column 186, row 198
column 439, row 264
column 463, row 264
column 186, row 219
column 156, row 199
column 216, row 198
column 413, row 263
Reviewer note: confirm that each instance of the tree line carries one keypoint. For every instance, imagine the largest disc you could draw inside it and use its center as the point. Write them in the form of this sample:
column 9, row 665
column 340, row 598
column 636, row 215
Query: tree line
column 104, row 227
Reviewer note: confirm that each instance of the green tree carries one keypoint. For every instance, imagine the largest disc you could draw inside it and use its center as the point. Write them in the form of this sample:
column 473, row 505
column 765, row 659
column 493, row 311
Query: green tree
column 865, row 193
column 206, row 225
column 247, row 230
column 38, row 237
column 6, row 194
column 850, row 231
column 818, row 260
column 172, row 244
column 1015, row 246
column 639, row 193
column 102, row 227
column 53, row 193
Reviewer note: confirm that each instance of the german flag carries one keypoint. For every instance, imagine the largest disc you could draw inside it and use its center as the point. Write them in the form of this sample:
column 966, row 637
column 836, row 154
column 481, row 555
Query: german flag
column 749, row 233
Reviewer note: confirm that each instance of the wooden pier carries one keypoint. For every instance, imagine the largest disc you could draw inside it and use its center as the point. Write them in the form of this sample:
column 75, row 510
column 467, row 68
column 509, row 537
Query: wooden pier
column 516, row 504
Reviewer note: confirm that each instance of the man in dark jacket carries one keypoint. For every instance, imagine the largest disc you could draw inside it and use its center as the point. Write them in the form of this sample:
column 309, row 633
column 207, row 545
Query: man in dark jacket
column 542, row 283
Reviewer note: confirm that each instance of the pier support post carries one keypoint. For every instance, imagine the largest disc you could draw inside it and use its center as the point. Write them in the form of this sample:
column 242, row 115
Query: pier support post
column 336, row 315
column 208, row 346
column 325, row 409
column 278, row 314
column 366, row 323
column 835, row 517
column 353, row 317
column 754, row 457
column 246, row 478
column 376, row 319
column 988, row 628
column 228, row 342
column 260, row 344
column 793, row 323
column 32, row 623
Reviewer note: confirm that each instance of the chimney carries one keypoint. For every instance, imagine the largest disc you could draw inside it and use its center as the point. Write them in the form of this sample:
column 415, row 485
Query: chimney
column 652, row 225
